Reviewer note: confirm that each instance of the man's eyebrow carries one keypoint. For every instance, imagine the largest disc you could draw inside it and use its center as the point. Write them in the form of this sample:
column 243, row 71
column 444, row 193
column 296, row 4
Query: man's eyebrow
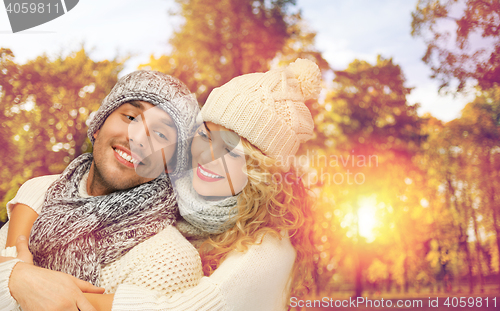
column 139, row 105
column 136, row 104
column 168, row 122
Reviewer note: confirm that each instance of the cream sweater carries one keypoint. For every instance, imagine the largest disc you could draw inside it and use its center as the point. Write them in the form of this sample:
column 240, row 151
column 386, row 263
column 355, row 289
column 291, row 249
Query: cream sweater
column 163, row 273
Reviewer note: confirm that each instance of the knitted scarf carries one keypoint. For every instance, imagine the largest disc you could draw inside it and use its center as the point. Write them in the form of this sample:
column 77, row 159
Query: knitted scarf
column 79, row 235
column 202, row 217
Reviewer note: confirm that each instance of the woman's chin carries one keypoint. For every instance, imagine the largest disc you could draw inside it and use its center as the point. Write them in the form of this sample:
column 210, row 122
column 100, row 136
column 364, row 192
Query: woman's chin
column 209, row 192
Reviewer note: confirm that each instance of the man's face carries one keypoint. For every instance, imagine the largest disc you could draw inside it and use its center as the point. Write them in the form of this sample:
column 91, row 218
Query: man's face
column 133, row 146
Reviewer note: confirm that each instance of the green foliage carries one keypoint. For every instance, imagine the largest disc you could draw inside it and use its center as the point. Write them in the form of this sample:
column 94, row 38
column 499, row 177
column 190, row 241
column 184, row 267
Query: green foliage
column 44, row 105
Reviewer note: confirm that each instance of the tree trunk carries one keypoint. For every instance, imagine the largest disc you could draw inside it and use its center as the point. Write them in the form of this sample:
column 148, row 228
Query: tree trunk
column 479, row 251
column 469, row 263
column 493, row 207
column 359, row 276
column 405, row 274
column 462, row 238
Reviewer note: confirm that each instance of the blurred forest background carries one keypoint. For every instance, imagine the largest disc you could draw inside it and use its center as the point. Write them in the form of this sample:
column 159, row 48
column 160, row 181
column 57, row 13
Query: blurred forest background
column 405, row 203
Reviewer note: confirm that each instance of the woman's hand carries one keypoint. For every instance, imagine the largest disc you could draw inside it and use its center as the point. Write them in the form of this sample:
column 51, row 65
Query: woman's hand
column 36, row 288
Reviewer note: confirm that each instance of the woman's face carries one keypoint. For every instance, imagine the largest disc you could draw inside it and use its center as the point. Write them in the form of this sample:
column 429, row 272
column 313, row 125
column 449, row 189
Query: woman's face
column 219, row 162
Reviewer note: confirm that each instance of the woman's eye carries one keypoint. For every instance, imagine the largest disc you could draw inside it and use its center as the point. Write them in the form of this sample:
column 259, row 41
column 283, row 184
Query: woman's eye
column 160, row 135
column 232, row 154
column 203, row 134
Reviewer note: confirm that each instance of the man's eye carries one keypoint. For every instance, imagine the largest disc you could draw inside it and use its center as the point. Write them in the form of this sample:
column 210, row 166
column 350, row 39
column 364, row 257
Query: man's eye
column 160, row 135
column 133, row 119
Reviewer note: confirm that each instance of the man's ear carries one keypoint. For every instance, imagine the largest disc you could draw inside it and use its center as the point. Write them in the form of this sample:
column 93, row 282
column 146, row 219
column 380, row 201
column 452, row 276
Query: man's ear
column 169, row 167
column 172, row 163
column 95, row 134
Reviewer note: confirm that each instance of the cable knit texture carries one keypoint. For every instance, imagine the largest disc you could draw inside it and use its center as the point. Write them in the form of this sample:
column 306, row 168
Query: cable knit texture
column 77, row 235
column 211, row 217
column 258, row 279
column 165, row 264
column 268, row 108
column 231, row 287
column 7, row 302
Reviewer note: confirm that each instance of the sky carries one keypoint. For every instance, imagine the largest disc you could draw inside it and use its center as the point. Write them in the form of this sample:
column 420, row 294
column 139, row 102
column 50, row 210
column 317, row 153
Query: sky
column 346, row 30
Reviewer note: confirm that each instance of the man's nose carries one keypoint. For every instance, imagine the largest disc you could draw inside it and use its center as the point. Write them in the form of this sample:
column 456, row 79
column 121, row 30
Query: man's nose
column 138, row 137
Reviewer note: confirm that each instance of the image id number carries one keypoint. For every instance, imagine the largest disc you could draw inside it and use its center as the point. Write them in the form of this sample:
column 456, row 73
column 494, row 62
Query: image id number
column 32, row 8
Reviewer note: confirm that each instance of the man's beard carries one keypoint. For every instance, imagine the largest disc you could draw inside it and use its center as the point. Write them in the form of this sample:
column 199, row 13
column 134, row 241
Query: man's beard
column 103, row 180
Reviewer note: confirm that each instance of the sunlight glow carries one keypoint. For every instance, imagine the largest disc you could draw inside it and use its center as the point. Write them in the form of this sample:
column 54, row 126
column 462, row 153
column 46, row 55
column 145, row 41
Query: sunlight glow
column 367, row 218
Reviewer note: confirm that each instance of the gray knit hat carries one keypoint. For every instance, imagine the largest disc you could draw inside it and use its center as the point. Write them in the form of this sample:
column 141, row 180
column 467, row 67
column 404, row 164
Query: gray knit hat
column 161, row 90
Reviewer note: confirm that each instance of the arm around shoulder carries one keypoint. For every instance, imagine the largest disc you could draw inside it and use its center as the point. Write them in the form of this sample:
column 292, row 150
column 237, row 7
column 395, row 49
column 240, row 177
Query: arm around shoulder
column 257, row 279
column 206, row 296
column 21, row 220
column 24, row 208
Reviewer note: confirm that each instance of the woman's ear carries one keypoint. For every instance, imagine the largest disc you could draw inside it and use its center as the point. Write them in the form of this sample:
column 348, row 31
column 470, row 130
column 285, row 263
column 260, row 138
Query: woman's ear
column 95, row 134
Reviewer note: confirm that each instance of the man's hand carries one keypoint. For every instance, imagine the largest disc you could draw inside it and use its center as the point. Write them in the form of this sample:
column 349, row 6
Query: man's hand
column 36, row 288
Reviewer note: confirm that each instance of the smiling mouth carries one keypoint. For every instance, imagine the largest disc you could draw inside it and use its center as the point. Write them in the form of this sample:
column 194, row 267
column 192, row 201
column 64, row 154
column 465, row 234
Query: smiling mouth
column 127, row 157
column 207, row 174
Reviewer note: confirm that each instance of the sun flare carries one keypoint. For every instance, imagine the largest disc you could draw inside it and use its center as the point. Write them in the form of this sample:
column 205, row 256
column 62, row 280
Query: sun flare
column 367, row 218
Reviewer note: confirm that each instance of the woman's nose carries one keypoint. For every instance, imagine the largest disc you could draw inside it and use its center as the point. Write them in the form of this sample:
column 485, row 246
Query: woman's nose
column 207, row 156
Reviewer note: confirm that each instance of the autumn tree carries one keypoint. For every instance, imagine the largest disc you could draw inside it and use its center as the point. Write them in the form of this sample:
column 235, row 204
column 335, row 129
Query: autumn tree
column 44, row 105
column 219, row 40
column 480, row 129
column 462, row 38
column 461, row 158
column 366, row 118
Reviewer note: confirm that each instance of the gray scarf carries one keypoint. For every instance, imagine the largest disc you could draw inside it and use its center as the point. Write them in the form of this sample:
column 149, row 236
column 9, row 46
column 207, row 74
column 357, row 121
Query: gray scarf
column 79, row 235
column 202, row 217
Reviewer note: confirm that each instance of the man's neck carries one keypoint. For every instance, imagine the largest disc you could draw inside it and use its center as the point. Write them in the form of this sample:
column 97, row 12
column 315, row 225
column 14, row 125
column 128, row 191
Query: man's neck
column 95, row 184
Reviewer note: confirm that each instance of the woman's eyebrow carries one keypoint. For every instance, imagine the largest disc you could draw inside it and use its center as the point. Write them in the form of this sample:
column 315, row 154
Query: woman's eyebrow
column 205, row 124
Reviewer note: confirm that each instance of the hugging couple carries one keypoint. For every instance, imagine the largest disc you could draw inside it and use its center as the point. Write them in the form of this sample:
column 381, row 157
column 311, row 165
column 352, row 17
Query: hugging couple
column 173, row 209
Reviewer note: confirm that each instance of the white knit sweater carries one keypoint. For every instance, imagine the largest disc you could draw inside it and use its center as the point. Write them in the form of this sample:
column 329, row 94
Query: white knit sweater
column 163, row 273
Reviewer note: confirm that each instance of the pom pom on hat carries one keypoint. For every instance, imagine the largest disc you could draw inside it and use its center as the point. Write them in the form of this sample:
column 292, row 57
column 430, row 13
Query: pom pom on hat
column 308, row 75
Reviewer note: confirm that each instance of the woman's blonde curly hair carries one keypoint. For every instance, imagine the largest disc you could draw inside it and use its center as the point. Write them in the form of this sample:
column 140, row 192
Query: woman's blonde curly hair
column 272, row 202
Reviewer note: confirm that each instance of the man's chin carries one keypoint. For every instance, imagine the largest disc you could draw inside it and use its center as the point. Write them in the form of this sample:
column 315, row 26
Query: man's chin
column 146, row 171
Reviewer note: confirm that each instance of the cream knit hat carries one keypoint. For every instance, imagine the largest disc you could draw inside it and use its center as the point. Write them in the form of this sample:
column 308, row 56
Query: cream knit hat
column 268, row 108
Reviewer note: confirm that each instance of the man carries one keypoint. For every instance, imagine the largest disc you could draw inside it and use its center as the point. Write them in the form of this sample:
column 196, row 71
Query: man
column 104, row 203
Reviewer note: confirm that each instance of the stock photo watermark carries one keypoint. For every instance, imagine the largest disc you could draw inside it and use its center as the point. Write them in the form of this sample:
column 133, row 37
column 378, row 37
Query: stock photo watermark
column 26, row 14
column 330, row 169
column 364, row 302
